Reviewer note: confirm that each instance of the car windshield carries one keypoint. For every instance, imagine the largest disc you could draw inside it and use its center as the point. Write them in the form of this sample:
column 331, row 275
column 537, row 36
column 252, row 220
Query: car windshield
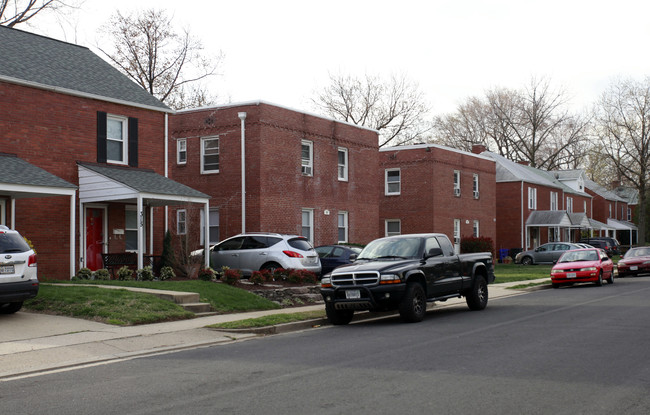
column 12, row 242
column 392, row 248
column 578, row 256
column 635, row 252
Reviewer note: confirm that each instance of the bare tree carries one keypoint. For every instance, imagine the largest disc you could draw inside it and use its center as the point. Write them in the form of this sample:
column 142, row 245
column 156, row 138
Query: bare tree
column 14, row 12
column 167, row 63
column 395, row 107
column 623, row 126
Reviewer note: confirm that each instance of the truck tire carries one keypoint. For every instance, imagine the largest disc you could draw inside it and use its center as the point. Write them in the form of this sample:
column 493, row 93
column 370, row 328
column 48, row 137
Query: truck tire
column 338, row 317
column 477, row 298
column 10, row 308
column 413, row 306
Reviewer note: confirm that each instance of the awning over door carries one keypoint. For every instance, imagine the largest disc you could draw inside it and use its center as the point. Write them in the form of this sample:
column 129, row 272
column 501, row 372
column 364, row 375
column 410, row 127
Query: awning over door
column 20, row 179
column 142, row 187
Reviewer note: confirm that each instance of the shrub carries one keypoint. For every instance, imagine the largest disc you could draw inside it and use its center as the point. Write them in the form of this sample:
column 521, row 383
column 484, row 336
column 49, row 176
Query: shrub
column 167, row 273
column 84, row 274
column 145, row 274
column 280, row 274
column 309, row 277
column 125, row 273
column 470, row 244
column 206, row 274
column 258, row 278
column 295, row 276
column 102, row 274
column 231, row 276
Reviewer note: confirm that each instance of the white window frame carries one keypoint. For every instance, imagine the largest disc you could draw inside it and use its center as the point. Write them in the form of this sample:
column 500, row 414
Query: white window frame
column 629, row 214
column 569, row 204
column 475, row 229
column 399, row 226
column 584, row 206
column 457, row 235
column 342, row 168
column 610, row 210
column 475, row 191
column 204, row 140
column 181, row 222
column 307, row 165
column 124, row 140
column 457, row 183
column 342, row 217
column 554, row 199
column 532, row 198
column 309, row 226
column 387, row 184
column 181, row 151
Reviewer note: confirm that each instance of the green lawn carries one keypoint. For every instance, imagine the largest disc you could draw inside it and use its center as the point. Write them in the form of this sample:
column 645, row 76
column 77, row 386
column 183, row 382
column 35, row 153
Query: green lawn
column 516, row 272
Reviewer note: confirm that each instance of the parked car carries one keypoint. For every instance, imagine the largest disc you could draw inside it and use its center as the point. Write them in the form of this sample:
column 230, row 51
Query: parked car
column 583, row 265
column 635, row 261
column 18, row 276
column 258, row 251
column 332, row 256
column 609, row 244
column 545, row 254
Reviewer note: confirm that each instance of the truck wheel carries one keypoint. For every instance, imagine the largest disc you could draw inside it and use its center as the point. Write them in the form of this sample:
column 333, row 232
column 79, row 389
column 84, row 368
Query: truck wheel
column 338, row 317
column 477, row 298
column 10, row 308
column 413, row 306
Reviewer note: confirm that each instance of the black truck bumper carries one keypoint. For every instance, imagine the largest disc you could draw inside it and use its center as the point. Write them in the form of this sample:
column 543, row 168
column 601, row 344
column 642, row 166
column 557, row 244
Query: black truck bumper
column 381, row 297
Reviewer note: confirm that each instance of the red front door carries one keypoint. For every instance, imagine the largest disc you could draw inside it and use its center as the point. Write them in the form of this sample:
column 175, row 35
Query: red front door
column 94, row 238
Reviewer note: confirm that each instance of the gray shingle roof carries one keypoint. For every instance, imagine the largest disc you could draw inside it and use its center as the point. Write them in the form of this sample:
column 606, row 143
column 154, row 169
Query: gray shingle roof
column 16, row 171
column 145, row 181
column 602, row 191
column 53, row 63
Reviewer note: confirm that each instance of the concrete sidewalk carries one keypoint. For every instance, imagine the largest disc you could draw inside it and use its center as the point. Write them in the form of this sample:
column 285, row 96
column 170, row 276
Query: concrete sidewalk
column 34, row 343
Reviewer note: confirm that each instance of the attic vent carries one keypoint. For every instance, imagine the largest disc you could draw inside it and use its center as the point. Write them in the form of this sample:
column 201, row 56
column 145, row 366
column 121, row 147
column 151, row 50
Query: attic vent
column 209, row 121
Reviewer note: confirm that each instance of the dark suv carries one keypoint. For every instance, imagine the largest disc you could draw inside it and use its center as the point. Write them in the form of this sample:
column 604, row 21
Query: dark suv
column 609, row 244
column 18, row 280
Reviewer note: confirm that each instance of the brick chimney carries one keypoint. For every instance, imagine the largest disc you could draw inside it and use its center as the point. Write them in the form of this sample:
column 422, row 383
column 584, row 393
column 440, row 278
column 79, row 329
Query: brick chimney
column 524, row 162
column 478, row 148
column 616, row 184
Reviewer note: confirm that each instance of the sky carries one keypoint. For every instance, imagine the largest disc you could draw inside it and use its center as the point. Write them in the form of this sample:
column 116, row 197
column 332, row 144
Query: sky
column 283, row 51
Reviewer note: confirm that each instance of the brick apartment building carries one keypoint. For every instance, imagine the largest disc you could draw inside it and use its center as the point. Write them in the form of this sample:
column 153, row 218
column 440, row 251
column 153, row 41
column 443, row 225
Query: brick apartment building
column 82, row 163
column 431, row 188
column 614, row 211
column 303, row 174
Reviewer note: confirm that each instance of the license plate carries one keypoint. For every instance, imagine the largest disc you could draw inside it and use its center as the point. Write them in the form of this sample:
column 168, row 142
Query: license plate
column 571, row 275
column 353, row 294
column 6, row 269
column 634, row 268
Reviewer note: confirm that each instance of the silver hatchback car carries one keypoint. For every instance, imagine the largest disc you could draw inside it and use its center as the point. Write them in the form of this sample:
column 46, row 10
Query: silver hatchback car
column 258, row 251
column 18, row 276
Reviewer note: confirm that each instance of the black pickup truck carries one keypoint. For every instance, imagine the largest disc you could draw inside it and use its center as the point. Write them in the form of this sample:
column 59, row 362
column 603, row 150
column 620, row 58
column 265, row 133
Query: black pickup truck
column 404, row 273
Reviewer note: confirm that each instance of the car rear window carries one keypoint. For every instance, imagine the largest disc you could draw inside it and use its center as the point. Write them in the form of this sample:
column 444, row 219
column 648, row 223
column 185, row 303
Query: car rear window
column 12, row 242
column 300, row 243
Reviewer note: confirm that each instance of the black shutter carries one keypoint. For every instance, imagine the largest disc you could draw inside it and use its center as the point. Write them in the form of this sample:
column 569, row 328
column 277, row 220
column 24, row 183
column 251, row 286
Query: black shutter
column 133, row 142
column 101, row 137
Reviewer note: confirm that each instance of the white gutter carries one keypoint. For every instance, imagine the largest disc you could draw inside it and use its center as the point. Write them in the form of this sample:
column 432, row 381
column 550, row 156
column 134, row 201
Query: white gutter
column 166, row 167
column 242, row 117
column 523, row 228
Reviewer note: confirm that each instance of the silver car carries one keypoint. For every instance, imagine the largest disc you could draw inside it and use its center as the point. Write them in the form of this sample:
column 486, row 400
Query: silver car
column 18, row 275
column 545, row 254
column 258, row 251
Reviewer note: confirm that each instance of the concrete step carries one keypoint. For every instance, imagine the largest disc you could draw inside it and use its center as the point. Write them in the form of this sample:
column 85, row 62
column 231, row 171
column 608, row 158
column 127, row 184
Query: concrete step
column 197, row 307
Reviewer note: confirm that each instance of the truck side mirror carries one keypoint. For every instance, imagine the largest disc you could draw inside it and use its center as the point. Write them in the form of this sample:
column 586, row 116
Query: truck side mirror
column 434, row 252
column 353, row 257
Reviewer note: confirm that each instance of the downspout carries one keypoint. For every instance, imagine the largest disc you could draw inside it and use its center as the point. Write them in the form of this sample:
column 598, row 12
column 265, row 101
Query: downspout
column 166, row 167
column 242, row 117
column 523, row 228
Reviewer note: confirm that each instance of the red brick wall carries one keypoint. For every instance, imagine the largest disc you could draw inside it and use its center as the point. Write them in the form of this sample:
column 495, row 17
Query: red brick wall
column 509, row 221
column 276, row 190
column 54, row 131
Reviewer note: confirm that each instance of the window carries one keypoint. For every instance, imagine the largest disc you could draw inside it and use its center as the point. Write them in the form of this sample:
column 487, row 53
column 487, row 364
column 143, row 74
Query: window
column 210, row 155
column 532, row 198
column 393, row 227
column 213, row 232
column 476, row 229
column 456, row 183
column 475, row 186
column 131, row 229
column 393, row 183
column 456, row 235
column 569, row 204
column 181, row 151
column 629, row 214
column 343, row 227
column 181, row 222
column 308, row 224
column 307, row 158
column 343, row 164
column 584, row 206
column 116, row 139
column 610, row 210
column 554, row 201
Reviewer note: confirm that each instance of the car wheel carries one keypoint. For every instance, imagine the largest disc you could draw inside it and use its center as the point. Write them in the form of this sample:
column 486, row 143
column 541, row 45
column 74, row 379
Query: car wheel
column 610, row 280
column 526, row 260
column 477, row 298
column 270, row 266
column 555, row 285
column 338, row 317
column 10, row 308
column 413, row 306
column 600, row 278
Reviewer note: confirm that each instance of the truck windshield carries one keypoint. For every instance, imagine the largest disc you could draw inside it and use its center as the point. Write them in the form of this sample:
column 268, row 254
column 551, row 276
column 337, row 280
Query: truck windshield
column 397, row 248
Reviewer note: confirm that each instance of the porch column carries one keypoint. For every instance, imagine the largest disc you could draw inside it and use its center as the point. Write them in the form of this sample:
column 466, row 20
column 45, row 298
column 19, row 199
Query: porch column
column 151, row 230
column 73, row 219
column 206, row 239
column 13, row 212
column 140, row 232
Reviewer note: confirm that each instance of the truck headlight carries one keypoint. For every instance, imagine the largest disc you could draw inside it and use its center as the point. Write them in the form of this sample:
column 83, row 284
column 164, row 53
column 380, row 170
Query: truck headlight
column 389, row 279
column 326, row 282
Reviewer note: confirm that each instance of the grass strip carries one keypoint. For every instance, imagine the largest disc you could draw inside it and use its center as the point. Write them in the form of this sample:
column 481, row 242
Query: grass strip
column 271, row 320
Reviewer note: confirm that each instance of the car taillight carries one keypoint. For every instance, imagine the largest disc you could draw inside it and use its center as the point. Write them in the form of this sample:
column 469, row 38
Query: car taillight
column 292, row 254
column 31, row 262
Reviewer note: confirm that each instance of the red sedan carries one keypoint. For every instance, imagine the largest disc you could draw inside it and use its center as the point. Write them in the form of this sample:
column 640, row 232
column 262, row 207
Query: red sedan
column 636, row 261
column 583, row 265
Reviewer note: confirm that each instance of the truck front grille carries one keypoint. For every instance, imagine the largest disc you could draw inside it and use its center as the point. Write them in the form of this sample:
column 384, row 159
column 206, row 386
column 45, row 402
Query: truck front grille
column 361, row 278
